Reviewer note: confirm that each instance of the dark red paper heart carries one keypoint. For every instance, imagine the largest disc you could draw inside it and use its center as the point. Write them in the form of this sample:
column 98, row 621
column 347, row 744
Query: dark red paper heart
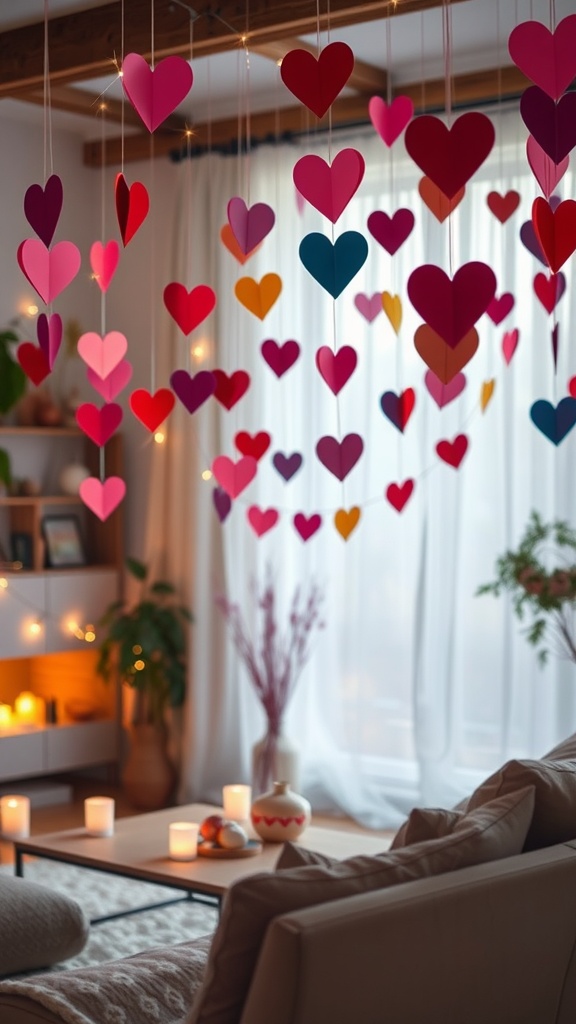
column 549, row 290
column 42, row 207
column 255, row 445
column 316, row 83
column 230, row 388
column 399, row 494
column 132, row 205
column 452, row 307
column 189, row 308
column 152, row 409
column 391, row 232
column 555, row 230
column 553, row 125
column 450, row 156
column 280, row 357
column 33, row 362
column 503, row 206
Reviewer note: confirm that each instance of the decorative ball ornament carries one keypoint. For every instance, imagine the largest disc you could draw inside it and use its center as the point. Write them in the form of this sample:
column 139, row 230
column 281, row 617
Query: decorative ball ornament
column 72, row 476
column 280, row 815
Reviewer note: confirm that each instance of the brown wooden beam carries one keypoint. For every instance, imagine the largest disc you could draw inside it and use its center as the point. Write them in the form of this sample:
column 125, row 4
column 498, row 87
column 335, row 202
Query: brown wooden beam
column 364, row 78
column 87, row 104
column 84, row 45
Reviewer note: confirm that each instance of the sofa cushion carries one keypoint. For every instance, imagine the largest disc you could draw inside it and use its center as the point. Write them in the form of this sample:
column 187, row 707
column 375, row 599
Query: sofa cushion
column 554, row 818
column 252, row 902
column 426, row 823
column 38, row 927
column 563, row 751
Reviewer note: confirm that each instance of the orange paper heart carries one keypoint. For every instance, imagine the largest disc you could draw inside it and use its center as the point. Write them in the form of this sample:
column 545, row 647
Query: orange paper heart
column 392, row 306
column 443, row 360
column 486, row 393
column 258, row 296
column 436, row 201
column 229, row 240
column 347, row 520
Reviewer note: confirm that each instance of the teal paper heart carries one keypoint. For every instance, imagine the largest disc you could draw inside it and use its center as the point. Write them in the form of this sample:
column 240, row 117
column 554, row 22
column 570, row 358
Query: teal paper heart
column 333, row 265
column 554, row 422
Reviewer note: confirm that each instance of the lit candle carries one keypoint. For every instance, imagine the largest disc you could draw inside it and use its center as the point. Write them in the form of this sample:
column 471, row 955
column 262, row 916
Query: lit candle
column 99, row 815
column 236, row 800
column 15, row 816
column 183, row 840
column 26, row 708
column 5, row 716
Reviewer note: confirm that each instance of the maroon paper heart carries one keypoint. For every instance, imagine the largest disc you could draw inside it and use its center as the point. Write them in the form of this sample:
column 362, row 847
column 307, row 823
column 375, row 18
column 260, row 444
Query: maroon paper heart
column 280, row 357
column 340, row 457
column 42, row 207
column 287, row 465
column 316, row 83
column 450, row 156
column 222, row 503
column 192, row 391
column 451, row 308
column 499, row 307
column 391, row 232
column 553, row 125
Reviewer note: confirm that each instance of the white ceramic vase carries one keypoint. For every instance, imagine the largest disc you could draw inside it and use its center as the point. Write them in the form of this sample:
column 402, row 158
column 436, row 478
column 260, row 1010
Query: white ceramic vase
column 280, row 815
column 284, row 764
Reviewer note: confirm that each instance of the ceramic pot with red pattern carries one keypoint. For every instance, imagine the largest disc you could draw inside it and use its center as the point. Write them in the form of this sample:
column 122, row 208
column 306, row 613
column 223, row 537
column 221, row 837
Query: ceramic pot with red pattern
column 280, row 815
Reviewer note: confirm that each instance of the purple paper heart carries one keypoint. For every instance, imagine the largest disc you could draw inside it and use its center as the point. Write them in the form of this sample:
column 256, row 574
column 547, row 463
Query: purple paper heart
column 368, row 305
column 222, row 503
column 42, row 207
column 391, row 232
column 287, row 465
column 49, row 331
column 280, row 357
column 339, row 457
column 528, row 239
column 250, row 225
column 193, row 391
column 553, row 125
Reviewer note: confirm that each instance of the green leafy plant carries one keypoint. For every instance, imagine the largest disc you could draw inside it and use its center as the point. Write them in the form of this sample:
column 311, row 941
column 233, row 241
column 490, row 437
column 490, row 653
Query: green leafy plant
column 12, row 376
column 541, row 576
column 146, row 645
column 5, row 468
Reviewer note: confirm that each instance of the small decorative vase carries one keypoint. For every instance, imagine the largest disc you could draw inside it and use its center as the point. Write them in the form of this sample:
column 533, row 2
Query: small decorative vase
column 148, row 777
column 280, row 815
column 274, row 757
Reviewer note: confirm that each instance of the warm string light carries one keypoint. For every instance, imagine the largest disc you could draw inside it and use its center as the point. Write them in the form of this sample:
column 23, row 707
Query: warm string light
column 206, row 474
column 159, row 437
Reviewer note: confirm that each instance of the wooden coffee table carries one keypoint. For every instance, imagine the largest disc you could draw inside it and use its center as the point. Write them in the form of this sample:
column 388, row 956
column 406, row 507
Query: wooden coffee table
column 139, row 850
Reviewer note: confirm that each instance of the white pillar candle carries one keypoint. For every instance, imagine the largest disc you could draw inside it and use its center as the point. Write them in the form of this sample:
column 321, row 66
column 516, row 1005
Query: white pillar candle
column 15, row 816
column 183, row 840
column 26, row 708
column 236, row 800
column 99, row 815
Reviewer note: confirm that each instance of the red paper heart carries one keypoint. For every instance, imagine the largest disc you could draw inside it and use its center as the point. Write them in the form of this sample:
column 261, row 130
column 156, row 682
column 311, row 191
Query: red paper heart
column 445, row 361
column 99, row 424
column 336, row 368
column 33, row 362
column 503, row 206
column 132, row 205
column 262, row 520
column 436, row 201
column 555, row 230
column 549, row 290
column 399, row 494
column 307, row 525
column 450, row 156
column 499, row 308
column 229, row 389
column 454, row 451
column 572, row 387
column 255, row 445
column 152, row 409
column 452, row 307
column 189, row 309
column 316, row 83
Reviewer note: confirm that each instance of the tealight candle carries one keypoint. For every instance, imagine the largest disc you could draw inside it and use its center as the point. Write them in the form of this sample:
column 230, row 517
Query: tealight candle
column 183, row 840
column 26, row 708
column 99, row 815
column 236, row 800
column 5, row 716
column 15, row 816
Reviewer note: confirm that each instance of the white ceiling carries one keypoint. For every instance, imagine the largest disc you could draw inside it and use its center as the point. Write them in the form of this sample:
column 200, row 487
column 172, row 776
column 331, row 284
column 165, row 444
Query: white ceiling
column 409, row 46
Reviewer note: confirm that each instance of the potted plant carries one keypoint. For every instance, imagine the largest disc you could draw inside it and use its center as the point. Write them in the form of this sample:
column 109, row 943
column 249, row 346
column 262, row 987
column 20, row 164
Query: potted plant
column 12, row 376
column 541, row 576
column 145, row 645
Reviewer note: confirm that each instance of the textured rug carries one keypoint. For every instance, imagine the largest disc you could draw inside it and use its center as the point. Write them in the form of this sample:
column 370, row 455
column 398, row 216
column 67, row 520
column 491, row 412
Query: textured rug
column 100, row 894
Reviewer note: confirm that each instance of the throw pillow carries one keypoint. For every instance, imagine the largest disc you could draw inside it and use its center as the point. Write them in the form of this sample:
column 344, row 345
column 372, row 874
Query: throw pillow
column 252, row 902
column 38, row 927
column 426, row 823
column 563, row 751
column 554, row 818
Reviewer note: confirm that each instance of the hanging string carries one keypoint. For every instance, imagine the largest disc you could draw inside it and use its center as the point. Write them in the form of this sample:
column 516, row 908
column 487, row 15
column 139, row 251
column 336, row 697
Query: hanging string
column 47, row 102
column 153, row 231
column 123, row 97
column 152, row 34
column 103, row 213
column 447, row 44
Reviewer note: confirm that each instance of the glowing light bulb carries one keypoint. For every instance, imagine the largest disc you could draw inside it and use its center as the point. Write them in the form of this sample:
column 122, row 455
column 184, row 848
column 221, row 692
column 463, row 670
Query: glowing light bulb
column 139, row 665
column 206, row 474
column 31, row 310
column 90, row 635
column 3, row 583
column 5, row 716
column 136, row 649
column 35, row 628
column 159, row 437
column 72, row 627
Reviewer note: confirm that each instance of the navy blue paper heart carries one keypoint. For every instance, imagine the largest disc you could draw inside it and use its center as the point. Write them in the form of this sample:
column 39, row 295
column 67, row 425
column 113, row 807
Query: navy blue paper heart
column 333, row 266
column 287, row 465
column 391, row 405
column 554, row 422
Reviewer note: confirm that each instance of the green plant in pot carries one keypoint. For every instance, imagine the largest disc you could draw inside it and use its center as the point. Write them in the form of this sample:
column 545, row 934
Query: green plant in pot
column 12, row 376
column 145, row 646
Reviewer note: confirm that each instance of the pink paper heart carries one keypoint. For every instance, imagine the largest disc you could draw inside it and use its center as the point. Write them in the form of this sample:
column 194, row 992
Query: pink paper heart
column 390, row 121
column 547, row 173
column 336, row 368
column 234, row 477
column 42, row 207
column 307, row 526
column 102, row 354
column 499, row 308
column 189, row 309
column 49, row 271
column 329, row 188
column 280, row 357
column 546, row 58
column 99, row 424
column 249, row 225
column 369, row 306
column 443, row 394
column 510, row 344
column 155, row 93
column 391, row 232
column 49, row 333
column 340, row 457
column 114, row 383
column 262, row 520
column 104, row 261
column 102, row 497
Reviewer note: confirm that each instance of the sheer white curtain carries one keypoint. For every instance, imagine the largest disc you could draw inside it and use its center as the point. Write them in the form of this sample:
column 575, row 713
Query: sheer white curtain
column 416, row 688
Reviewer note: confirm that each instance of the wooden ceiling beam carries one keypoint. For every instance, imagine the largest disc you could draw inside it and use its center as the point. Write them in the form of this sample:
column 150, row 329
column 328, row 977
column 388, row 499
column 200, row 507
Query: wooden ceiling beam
column 87, row 104
column 85, row 44
column 364, row 78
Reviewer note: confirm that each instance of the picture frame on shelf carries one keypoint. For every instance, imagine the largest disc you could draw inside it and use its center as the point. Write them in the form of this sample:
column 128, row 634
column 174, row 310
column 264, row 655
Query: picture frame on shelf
column 22, row 549
column 63, row 541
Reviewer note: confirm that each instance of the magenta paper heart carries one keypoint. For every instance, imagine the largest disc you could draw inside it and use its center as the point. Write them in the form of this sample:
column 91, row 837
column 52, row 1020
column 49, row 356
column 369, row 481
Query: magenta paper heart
column 499, row 308
column 193, row 391
column 443, row 394
column 287, row 465
column 452, row 308
column 102, row 354
column 155, row 94
column 329, row 188
column 336, row 368
column 49, row 333
column 510, row 344
column 42, row 207
column 553, row 125
column 234, row 477
column 102, row 497
column 340, row 457
column 262, row 520
column 390, row 121
column 546, row 58
column 113, row 384
column 280, row 357
column 104, row 261
column 369, row 306
column 222, row 503
column 450, row 156
column 547, row 173
column 189, row 309
column 99, row 424
column 307, row 526
column 249, row 225
column 391, row 232
column 49, row 271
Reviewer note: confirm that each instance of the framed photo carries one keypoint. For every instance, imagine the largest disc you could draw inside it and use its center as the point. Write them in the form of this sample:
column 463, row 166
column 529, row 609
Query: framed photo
column 22, row 549
column 63, row 541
